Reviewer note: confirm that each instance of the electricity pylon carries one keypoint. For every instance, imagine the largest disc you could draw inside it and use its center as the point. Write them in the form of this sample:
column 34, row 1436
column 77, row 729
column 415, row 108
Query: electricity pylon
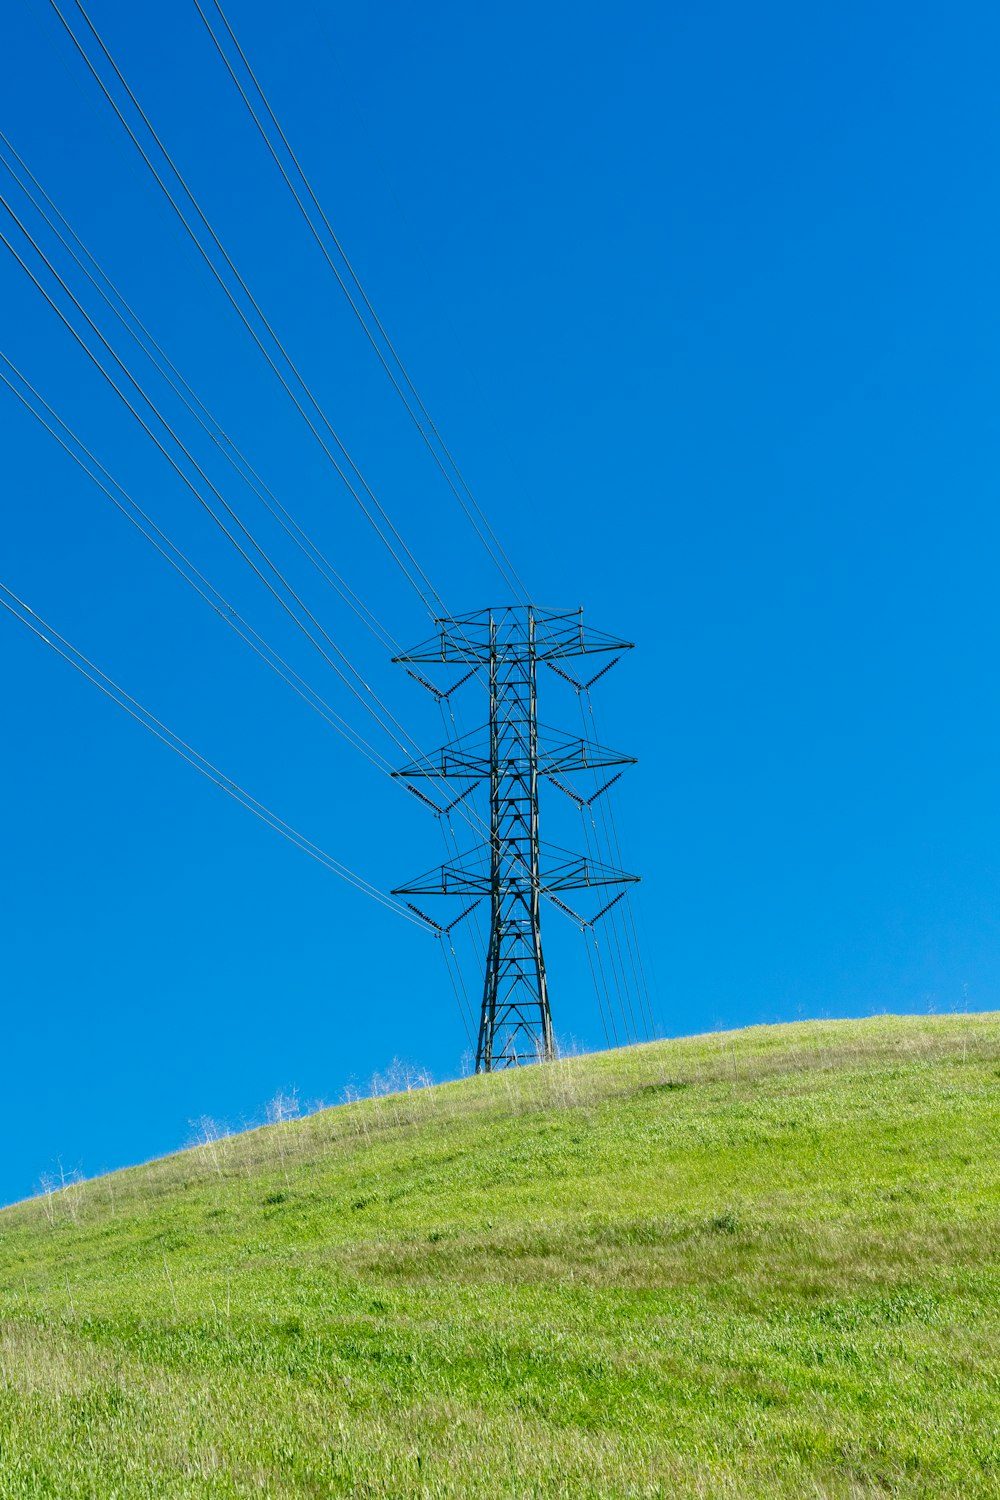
column 510, row 642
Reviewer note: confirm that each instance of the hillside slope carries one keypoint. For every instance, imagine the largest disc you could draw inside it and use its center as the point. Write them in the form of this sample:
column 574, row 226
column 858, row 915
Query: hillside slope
column 756, row 1263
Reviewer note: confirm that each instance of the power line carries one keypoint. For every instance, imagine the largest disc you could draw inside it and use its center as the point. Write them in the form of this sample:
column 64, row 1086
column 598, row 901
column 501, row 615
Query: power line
column 468, row 814
column 246, row 321
column 597, row 992
column 593, row 843
column 169, row 550
column 215, row 239
column 458, row 986
column 420, row 418
column 216, row 601
column 197, row 493
column 628, row 916
column 209, row 424
column 246, row 291
column 69, row 653
column 613, row 854
column 472, row 818
column 375, row 626
column 417, row 248
column 230, row 615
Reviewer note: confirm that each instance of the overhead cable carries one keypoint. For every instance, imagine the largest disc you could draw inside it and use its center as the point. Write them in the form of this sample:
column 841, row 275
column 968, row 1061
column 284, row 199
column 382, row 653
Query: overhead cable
column 430, row 597
column 154, row 351
column 51, row 637
column 430, row 593
column 395, row 370
column 626, row 913
column 206, row 505
column 182, row 564
column 410, row 567
column 470, row 815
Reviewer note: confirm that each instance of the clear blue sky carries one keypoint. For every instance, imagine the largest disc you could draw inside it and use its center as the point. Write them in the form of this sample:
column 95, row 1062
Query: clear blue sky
column 705, row 301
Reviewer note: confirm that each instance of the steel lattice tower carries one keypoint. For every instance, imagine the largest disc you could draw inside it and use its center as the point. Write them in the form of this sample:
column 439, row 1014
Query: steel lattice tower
column 515, row 1016
column 516, row 1021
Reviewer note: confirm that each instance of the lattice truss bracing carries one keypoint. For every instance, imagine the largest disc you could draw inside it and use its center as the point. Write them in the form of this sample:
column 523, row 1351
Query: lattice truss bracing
column 513, row 753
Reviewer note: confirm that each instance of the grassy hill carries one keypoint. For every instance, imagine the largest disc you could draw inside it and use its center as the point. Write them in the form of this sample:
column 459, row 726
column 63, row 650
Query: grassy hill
column 757, row 1263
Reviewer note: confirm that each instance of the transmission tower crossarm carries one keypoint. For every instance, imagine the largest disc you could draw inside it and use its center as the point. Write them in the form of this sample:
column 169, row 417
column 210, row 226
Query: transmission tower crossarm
column 452, row 879
column 559, row 756
column 461, row 877
column 441, row 648
column 458, row 759
column 570, row 637
column 559, row 634
column 579, row 872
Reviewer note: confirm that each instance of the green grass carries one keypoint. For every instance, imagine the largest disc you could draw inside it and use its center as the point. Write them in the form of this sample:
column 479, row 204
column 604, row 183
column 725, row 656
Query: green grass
column 759, row 1263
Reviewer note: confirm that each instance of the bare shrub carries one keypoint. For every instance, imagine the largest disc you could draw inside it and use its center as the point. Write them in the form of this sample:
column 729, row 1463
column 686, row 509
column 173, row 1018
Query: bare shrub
column 207, row 1136
column 284, row 1106
column 400, row 1078
column 282, row 1109
column 48, row 1186
column 62, row 1194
